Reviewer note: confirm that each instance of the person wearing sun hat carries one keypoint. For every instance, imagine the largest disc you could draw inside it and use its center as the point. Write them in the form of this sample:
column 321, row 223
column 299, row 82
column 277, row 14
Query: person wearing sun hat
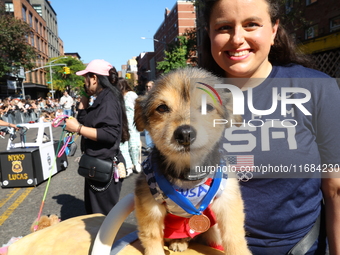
column 103, row 126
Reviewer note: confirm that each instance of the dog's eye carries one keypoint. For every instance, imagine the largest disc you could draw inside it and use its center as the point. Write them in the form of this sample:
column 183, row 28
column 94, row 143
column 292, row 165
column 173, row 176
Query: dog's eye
column 162, row 108
column 210, row 108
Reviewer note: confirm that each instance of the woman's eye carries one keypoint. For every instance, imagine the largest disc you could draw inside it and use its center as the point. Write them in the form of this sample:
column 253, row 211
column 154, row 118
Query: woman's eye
column 224, row 28
column 162, row 108
column 252, row 26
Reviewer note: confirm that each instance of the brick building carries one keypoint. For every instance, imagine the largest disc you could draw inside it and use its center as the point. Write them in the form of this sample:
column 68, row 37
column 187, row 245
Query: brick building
column 315, row 24
column 46, row 11
column 41, row 17
column 146, row 63
column 177, row 21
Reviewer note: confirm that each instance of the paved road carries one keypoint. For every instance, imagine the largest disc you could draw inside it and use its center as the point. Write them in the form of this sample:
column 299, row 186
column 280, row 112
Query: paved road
column 20, row 206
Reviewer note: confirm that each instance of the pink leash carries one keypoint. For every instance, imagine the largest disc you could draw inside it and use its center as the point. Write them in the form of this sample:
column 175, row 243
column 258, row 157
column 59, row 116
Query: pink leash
column 55, row 123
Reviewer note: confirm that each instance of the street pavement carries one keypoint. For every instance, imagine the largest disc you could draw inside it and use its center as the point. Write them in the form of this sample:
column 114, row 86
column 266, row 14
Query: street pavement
column 19, row 206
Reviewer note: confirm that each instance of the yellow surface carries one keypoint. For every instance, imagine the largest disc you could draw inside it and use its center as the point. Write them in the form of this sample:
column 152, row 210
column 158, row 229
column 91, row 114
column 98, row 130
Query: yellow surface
column 320, row 44
column 73, row 236
column 194, row 249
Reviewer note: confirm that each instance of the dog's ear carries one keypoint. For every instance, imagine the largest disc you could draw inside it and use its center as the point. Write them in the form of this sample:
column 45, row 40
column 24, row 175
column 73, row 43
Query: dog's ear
column 139, row 118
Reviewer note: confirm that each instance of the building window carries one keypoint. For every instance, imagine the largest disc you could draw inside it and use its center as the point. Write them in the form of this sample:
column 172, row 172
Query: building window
column 38, row 43
column 37, row 25
column 312, row 32
column 42, row 46
column 32, row 39
column 37, row 8
column 23, row 10
column 30, row 18
column 308, row 2
column 335, row 24
column 9, row 7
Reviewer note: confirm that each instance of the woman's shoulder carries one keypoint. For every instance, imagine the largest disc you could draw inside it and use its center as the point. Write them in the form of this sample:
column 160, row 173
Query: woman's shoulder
column 131, row 94
column 297, row 71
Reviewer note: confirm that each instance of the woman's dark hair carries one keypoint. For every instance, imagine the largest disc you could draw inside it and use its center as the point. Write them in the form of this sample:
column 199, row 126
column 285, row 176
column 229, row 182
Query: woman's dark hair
column 111, row 83
column 123, row 85
column 284, row 51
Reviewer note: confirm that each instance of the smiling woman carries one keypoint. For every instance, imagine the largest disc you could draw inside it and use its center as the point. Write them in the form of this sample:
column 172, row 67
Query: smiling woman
column 245, row 39
column 241, row 42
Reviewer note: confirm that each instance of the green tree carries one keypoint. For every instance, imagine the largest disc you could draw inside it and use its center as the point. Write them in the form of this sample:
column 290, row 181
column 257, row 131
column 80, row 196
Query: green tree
column 61, row 80
column 176, row 56
column 14, row 50
column 191, row 37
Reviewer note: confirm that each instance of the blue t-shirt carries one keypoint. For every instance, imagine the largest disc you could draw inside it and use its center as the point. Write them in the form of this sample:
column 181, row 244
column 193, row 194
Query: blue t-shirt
column 281, row 209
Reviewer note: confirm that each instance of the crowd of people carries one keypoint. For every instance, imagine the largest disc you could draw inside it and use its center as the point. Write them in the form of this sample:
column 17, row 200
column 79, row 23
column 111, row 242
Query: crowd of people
column 34, row 108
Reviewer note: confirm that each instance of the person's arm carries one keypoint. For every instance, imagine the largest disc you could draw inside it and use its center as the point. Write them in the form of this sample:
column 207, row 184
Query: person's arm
column 331, row 194
column 72, row 125
column 62, row 101
column 7, row 124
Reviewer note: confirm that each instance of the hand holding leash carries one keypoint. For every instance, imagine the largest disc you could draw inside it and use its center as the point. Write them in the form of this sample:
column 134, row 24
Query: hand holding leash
column 58, row 120
column 72, row 125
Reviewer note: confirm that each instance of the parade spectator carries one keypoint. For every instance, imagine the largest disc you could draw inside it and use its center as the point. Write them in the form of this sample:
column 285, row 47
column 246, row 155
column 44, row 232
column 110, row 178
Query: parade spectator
column 3, row 123
column 76, row 108
column 130, row 149
column 56, row 103
column 34, row 106
column 41, row 104
column 148, row 139
column 66, row 101
column 58, row 112
column 44, row 117
column 102, row 126
column 245, row 39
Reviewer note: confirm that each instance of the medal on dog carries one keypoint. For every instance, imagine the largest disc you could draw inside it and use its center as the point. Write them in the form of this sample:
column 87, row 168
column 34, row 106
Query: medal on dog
column 199, row 223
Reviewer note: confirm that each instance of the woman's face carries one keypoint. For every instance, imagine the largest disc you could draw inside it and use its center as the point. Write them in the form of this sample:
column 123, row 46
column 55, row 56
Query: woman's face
column 91, row 84
column 241, row 34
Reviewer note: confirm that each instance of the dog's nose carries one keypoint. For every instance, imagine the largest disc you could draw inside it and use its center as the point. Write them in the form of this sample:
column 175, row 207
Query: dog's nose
column 185, row 135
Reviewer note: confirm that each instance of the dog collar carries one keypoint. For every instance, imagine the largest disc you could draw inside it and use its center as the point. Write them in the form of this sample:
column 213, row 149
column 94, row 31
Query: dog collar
column 196, row 176
column 182, row 200
column 195, row 194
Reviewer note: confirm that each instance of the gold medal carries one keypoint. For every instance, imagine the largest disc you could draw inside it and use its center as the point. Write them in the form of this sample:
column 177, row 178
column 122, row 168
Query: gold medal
column 199, row 223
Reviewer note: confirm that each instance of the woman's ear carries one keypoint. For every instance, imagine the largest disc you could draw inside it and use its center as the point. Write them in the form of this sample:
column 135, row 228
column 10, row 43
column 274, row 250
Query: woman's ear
column 275, row 28
column 95, row 79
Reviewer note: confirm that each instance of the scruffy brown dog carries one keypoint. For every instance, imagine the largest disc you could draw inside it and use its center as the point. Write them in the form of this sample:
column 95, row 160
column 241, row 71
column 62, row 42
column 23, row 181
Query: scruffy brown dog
column 186, row 141
column 45, row 221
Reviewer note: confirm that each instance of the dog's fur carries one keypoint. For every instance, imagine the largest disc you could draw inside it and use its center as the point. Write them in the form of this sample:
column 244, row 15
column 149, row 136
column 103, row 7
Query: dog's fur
column 45, row 221
column 173, row 103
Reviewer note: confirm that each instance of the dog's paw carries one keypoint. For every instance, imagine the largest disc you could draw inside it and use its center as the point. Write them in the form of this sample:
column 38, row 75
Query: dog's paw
column 178, row 245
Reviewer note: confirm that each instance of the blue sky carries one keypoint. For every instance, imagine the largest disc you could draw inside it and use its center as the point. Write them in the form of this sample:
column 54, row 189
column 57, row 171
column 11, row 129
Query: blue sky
column 109, row 29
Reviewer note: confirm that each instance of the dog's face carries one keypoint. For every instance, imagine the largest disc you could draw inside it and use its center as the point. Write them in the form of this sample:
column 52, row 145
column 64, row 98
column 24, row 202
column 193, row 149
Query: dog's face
column 172, row 113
